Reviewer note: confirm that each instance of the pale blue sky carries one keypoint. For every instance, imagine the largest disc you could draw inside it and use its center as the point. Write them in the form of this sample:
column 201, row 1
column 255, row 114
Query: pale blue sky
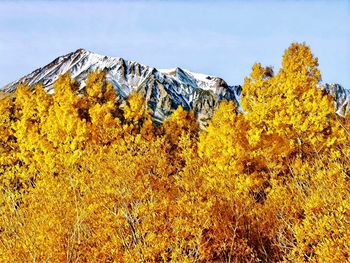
column 222, row 38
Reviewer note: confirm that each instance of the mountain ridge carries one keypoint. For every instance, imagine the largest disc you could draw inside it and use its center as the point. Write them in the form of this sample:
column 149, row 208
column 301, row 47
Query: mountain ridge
column 164, row 89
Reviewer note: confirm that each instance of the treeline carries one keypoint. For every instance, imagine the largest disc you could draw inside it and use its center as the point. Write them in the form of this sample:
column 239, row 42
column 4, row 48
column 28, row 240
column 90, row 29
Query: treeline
column 84, row 179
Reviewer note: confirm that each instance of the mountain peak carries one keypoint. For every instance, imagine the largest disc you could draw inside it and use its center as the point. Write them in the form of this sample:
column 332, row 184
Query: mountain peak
column 164, row 89
column 80, row 50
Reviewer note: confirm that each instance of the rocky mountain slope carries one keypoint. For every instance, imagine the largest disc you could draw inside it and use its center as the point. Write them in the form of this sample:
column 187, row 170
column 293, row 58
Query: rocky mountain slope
column 164, row 89
column 341, row 97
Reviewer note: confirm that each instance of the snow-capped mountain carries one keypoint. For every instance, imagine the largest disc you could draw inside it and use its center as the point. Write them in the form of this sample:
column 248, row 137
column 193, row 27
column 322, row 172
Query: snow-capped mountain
column 164, row 89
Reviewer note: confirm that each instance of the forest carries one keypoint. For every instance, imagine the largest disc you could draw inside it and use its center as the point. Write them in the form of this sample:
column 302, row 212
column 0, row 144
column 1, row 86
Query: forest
column 86, row 179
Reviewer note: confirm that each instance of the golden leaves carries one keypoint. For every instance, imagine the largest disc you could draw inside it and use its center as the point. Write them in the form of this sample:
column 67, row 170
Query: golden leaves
column 83, row 178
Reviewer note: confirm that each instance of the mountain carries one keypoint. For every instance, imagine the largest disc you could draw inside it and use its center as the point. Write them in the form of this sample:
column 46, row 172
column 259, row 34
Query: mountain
column 341, row 97
column 164, row 89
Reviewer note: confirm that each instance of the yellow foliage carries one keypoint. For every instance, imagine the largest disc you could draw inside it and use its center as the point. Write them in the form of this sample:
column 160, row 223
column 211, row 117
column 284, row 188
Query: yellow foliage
column 135, row 108
column 84, row 179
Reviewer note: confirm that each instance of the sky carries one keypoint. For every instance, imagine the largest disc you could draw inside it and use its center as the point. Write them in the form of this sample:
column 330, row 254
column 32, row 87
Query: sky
column 220, row 38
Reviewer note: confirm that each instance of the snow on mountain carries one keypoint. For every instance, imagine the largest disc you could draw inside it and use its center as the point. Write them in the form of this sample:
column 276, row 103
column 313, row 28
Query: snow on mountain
column 164, row 89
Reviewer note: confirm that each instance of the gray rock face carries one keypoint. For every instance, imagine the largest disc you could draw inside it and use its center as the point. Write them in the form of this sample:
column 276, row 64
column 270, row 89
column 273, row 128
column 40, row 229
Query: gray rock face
column 164, row 90
column 341, row 97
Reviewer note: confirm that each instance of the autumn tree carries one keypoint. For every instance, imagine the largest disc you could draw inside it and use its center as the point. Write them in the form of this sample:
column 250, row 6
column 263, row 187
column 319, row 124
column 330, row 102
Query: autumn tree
column 84, row 177
column 288, row 113
column 294, row 133
column 100, row 108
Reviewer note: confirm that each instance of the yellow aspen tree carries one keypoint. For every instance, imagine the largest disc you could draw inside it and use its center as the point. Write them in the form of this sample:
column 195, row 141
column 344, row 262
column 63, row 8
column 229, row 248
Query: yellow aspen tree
column 100, row 107
column 8, row 143
column 179, row 126
column 6, row 121
column 179, row 123
column 65, row 128
column 137, row 119
column 321, row 233
column 288, row 114
column 226, row 187
column 293, row 130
